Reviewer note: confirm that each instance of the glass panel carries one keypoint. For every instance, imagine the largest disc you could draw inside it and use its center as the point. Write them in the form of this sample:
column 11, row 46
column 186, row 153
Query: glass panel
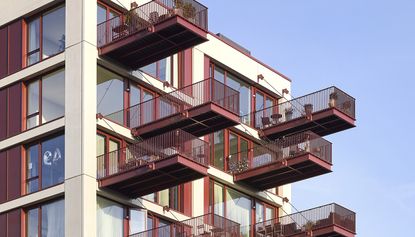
column 110, row 94
column 114, row 146
column 137, row 221
column 164, row 69
column 33, row 41
column 269, row 213
column 110, row 218
column 259, row 105
column 53, row 35
column 101, row 14
column 135, row 99
column 259, row 212
column 100, row 155
column 219, row 74
column 53, row 161
column 53, row 96
column 166, row 108
column 53, row 222
column 164, row 197
column 150, row 225
column 233, row 146
column 33, row 104
column 32, row 166
column 244, row 150
column 174, row 194
column 238, row 208
column 218, row 202
column 148, row 116
column 113, row 14
column 33, row 223
column 164, row 232
column 150, row 69
column 244, row 96
column 219, row 144
column 150, row 197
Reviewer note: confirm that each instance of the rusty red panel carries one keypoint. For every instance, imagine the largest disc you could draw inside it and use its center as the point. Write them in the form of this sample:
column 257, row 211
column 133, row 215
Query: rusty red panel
column 3, row 52
column 15, row 109
column 206, row 66
column 14, row 223
column 14, row 173
column 3, row 114
column 3, row 177
column 187, row 67
column 187, row 196
column 3, row 225
column 15, row 47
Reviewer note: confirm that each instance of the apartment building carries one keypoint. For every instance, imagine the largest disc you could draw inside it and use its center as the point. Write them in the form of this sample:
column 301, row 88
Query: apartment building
column 122, row 118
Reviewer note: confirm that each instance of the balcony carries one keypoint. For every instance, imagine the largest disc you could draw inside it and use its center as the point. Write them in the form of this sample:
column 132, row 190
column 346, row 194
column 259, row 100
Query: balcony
column 291, row 159
column 153, row 31
column 201, row 108
column 323, row 112
column 206, row 225
column 331, row 220
column 154, row 164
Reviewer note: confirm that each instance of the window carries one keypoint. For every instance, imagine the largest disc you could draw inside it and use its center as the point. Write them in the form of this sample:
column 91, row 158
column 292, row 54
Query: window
column 46, row 35
column 110, row 218
column 108, row 155
column 264, row 104
column 237, row 84
column 46, row 220
column 110, row 94
column 45, row 99
column 219, row 149
column 141, row 100
column 104, row 13
column 137, row 221
column 171, row 197
column 45, row 164
column 160, row 69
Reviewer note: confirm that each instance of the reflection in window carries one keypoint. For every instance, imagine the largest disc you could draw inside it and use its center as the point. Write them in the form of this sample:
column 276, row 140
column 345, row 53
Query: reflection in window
column 238, row 208
column 47, row 93
column 160, row 69
column 110, row 216
column 218, row 153
column 110, row 94
column 137, row 221
column 52, row 39
column 49, row 158
column 52, row 219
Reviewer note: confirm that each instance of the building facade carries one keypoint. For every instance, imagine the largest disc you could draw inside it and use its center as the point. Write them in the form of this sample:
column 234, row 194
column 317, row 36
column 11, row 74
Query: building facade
column 121, row 118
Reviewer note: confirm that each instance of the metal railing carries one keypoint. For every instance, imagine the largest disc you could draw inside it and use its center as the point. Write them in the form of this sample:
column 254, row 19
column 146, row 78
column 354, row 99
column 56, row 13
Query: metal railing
column 282, row 149
column 206, row 225
column 331, row 97
column 148, row 14
column 160, row 147
column 309, row 220
column 178, row 101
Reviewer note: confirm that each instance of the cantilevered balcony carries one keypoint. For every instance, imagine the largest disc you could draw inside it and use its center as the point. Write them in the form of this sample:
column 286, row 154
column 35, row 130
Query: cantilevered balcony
column 201, row 108
column 331, row 220
column 153, row 31
column 154, row 164
column 290, row 159
column 324, row 112
column 206, row 225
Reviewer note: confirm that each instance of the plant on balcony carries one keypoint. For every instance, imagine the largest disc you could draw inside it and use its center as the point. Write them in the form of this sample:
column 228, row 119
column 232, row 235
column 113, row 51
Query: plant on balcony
column 332, row 99
column 186, row 10
column 308, row 226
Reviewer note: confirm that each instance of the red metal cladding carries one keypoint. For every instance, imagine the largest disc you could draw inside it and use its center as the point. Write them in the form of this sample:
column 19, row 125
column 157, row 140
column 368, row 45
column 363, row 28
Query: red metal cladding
column 3, row 114
column 15, row 47
column 3, row 177
column 14, row 163
column 3, row 225
column 15, row 109
column 14, row 223
column 3, row 52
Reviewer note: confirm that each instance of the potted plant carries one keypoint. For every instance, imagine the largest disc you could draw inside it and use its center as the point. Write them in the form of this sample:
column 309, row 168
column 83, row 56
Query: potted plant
column 288, row 113
column 189, row 11
column 178, row 7
column 308, row 226
column 332, row 99
column 308, row 109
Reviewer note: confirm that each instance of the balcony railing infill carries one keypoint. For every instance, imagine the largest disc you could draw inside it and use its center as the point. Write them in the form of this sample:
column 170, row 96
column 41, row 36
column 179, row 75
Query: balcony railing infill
column 148, row 14
column 154, row 149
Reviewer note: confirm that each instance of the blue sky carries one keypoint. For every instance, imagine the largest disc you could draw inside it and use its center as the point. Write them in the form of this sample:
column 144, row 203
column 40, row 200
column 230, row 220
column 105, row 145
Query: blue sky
column 366, row 48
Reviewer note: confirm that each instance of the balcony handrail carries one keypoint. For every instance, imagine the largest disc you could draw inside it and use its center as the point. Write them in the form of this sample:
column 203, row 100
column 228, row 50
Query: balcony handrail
column 148, row 14
column 196, row 226
column 178, row 101
column 281, row 149
column 313, row 218
column 331, row 97
column 176, row 142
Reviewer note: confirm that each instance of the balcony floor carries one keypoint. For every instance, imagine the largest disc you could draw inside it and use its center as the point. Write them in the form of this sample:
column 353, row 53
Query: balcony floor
column 323, row 123
column 329, row 231
column 155, row 176
column 276, row 174
column 170, row 36
column 198, row 121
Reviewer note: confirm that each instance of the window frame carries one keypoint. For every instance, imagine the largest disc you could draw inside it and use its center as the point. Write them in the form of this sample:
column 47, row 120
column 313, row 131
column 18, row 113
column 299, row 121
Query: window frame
column 26, row 22
column 39, row 176
column 122, row 145
column 157, row 76
column 266, row 96
column 39, row 220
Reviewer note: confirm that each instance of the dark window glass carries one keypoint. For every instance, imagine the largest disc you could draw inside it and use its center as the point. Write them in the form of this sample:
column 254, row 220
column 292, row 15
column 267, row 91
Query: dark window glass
column 32, row 222
column 32, row 169
column 219, row 145
column 110, row 94
column 53, row 33
column 53, row 161
column 51, row 216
